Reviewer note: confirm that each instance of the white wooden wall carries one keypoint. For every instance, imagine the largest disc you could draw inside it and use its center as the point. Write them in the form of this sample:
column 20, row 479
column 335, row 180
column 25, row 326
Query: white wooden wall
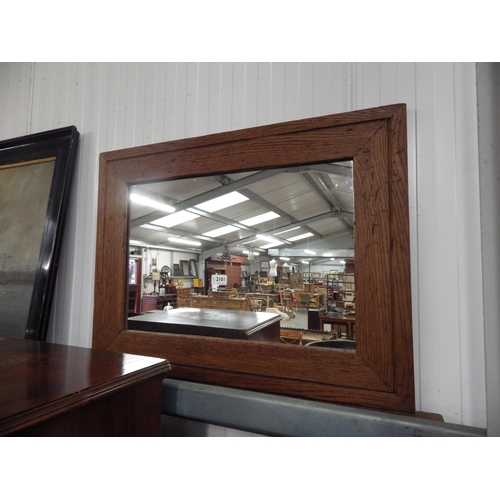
column 118, row 105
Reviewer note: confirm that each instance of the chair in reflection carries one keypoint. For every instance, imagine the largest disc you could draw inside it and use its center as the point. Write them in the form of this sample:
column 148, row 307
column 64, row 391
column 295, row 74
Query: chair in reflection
column 255, row 304
column 286, row 303
column 322, row 297
column 305, row 298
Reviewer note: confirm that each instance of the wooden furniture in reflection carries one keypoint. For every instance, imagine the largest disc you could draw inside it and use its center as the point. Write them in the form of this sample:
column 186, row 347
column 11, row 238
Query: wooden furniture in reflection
column 253, row 303
column 133, row 299
column 349, row 321
column 291, row 337
column 183, row 297
column 212, row 302
column 158, row 302
column 58, row 390
column 269, row 298
column 304, row 299
column 242, row 325
column 286, row 302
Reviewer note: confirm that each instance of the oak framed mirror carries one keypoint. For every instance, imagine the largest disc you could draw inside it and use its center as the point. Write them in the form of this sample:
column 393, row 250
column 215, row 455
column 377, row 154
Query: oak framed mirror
column 379, row 373
column 36, row 172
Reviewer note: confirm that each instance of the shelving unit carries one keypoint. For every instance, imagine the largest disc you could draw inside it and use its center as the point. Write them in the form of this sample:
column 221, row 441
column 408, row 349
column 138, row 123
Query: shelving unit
column 344, row 280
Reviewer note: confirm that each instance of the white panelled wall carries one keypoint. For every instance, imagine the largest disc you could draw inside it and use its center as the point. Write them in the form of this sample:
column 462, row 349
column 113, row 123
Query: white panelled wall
column 120, row 105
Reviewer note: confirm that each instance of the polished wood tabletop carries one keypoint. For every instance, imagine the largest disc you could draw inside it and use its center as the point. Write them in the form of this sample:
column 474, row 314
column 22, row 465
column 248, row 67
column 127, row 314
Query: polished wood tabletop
column 40, row 381
column 222, row 323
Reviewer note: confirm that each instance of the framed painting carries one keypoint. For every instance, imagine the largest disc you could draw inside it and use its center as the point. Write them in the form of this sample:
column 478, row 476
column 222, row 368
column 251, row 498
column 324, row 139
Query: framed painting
column 35, row 180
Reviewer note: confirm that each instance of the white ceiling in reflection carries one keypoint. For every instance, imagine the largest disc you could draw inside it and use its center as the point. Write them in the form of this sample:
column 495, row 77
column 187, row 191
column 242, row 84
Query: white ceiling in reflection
column 279, row 211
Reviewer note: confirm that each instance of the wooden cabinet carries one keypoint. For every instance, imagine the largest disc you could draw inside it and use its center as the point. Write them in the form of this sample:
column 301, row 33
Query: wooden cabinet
column 206, row 302
column 183, row 296
column 158, row 302
column 133, row 299
column 58, row 390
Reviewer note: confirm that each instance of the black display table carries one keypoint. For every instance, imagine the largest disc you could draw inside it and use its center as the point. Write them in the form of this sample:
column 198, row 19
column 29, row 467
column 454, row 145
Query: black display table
column 221, row 323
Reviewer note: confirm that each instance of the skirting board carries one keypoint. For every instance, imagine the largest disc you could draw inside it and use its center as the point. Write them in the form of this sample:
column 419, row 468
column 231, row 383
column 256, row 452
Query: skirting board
column 273, row 415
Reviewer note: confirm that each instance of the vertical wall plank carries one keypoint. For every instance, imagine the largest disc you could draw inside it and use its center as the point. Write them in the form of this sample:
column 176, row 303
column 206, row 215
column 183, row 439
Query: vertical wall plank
column 488, row 96
column 470, row 302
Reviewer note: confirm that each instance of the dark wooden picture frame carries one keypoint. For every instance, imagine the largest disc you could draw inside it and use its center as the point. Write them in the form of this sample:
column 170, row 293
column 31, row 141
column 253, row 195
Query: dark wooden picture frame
column 379, row 374
column 193, row 268
column 184, row 266
column 60, row 147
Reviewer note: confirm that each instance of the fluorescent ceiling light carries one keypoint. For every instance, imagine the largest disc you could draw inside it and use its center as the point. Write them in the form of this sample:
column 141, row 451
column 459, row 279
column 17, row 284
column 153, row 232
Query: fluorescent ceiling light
column 310, row 252
column 175, row 219
column 332, row 258
column 287, row 231
column 247, row 222
column 150, row 226
column 271, row 245
column 300, row 237
column 219, row 232
column 248, row 253
column 283, row 258
column 259, row 218
column 185, row 242
column 144, row 244
column 327, row 255
column 144, row 200
column 227, row 200
column 267, row 238
column 304, row 261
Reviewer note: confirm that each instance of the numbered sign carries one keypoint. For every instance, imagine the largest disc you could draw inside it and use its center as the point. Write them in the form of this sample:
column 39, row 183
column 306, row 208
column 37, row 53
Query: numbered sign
column 219, row 280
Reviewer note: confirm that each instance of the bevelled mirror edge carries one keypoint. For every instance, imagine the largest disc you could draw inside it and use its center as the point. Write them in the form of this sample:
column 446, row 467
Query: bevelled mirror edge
column 122, row 168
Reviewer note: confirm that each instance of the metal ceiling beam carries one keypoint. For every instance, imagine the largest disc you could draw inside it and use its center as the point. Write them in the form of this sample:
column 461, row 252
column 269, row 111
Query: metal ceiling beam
column 207, row 196
column 331, row 201
column 244, row 241
column 269, row 206
column 182, row 232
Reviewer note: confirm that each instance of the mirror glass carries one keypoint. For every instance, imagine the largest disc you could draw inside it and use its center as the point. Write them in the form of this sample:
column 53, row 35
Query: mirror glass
column 279, row 241
column 21, row 230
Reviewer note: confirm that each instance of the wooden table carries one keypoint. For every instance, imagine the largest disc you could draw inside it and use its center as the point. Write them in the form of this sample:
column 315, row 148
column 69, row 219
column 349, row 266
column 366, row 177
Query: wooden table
column 57, row 390
column 209, row 302
column 349, row 321
column 221, row 323
column 268, row 297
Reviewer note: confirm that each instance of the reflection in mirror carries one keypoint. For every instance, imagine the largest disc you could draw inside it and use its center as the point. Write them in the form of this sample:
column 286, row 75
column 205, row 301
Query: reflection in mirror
column 276, row 242
column 21, row 230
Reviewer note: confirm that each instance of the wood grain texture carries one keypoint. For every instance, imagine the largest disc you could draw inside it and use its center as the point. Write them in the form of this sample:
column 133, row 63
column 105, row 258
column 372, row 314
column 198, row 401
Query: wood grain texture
column 58, row 390
column 380, row 373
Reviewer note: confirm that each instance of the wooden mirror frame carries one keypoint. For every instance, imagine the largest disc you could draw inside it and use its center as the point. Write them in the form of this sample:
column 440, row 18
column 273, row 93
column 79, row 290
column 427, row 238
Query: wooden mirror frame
column 59, row 145
column 379, row 374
